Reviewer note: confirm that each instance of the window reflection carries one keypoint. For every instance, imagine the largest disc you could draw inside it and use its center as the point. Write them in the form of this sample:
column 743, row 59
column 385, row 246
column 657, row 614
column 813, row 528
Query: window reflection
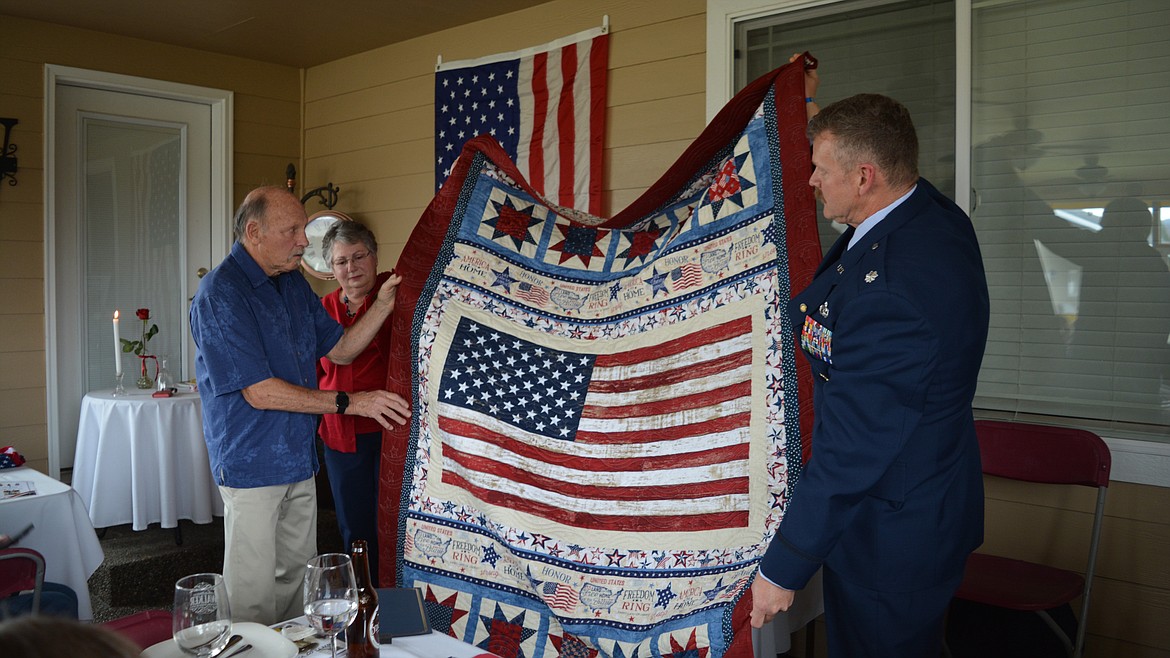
column 1059, row 132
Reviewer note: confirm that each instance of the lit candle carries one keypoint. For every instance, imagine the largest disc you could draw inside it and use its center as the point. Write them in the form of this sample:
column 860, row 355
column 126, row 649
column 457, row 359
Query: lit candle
column 117, row 347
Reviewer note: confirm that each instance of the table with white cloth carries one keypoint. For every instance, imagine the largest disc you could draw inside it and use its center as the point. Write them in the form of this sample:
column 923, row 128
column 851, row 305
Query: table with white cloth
column 142, row 460
column 767, row 642
column 269, row 643
column 62, row 532
column 429, row 645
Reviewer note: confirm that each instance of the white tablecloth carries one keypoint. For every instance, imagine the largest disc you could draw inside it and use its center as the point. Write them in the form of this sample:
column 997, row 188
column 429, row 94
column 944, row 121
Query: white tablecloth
column 62, row 531
column 142, row 460
column 767, row 642
column 431, row 645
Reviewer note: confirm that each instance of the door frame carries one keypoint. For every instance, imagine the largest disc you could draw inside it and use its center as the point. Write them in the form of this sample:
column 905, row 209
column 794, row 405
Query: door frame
column 220, row 103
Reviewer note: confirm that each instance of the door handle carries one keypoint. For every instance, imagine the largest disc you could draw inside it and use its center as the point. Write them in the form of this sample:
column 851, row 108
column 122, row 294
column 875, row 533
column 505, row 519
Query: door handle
column 201, row 272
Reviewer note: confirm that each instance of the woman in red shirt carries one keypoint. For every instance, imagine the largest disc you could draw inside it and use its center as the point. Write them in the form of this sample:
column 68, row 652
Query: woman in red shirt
column 353, row 444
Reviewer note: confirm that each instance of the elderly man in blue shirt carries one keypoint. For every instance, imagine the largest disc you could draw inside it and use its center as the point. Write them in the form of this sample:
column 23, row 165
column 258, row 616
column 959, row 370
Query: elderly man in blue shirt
column 260, row 329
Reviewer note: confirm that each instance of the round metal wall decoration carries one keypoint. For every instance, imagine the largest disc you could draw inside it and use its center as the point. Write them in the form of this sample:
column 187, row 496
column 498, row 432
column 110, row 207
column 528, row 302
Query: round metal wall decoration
column 314, row 259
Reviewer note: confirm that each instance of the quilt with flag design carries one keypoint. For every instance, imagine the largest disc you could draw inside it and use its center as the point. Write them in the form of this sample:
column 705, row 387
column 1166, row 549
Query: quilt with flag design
column 607, row 413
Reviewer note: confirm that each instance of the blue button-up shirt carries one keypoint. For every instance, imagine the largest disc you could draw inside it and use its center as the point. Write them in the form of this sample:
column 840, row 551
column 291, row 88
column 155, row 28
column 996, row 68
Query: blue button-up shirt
column 249, row 327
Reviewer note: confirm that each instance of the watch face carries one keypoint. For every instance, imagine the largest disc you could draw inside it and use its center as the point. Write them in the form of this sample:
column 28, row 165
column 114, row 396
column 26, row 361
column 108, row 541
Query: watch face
column 314, row 259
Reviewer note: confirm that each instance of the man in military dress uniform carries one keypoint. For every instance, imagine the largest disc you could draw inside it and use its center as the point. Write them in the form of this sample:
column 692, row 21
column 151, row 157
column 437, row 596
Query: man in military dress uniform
column 894, row 326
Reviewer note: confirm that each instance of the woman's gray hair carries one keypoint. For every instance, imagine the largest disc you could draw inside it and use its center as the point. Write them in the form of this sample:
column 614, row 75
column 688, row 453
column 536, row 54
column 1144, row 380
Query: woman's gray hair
column 347, row 232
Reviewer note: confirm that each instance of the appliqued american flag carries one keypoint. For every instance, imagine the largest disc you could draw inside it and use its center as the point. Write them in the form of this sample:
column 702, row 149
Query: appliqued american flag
column 646, row 438
column 544, row 105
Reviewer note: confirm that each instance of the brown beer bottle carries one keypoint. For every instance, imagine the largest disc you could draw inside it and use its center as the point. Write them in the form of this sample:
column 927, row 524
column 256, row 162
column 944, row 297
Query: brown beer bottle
column 361, row 636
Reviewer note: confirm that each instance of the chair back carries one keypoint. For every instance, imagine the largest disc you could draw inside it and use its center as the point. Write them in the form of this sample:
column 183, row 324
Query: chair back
column 1043, row 453
column 1052, row 455
column 21, row 570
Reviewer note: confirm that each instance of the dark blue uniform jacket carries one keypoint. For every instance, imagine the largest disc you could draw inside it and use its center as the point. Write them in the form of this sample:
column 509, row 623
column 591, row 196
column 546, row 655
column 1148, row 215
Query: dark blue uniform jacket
column 892, row 498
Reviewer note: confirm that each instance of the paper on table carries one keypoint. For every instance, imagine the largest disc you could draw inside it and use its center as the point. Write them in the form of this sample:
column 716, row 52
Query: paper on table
column 17, row 489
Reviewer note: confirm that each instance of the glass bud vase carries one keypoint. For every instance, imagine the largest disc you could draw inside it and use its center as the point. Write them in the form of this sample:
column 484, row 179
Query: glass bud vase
column 164, row 381
column 144, row 379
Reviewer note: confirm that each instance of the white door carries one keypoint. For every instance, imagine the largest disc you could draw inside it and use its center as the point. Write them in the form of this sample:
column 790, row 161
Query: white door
column 132, row 227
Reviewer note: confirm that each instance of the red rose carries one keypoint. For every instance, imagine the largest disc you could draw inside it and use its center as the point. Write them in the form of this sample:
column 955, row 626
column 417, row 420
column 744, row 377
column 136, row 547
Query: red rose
column 143, row 314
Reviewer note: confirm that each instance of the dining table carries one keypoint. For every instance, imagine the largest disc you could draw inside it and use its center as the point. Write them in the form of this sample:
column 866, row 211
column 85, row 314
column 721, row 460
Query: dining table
column 427, row 645
column 142, row 459
column 61, row 530
column 277, row 642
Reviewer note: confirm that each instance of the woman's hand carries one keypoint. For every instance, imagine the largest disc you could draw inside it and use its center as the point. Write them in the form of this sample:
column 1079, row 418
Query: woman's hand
column 389, row 290
column 812, row 80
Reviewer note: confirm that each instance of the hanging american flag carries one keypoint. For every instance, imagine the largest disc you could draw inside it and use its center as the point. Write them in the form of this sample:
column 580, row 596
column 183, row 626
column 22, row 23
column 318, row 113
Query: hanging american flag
column 544, row 105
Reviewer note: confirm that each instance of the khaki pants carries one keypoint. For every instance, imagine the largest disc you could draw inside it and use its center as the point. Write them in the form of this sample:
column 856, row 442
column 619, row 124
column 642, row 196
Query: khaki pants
column 269, row 535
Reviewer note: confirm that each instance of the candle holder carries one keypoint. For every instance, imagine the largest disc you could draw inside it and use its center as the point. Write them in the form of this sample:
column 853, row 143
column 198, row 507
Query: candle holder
column 145, row 381
column 118, row 388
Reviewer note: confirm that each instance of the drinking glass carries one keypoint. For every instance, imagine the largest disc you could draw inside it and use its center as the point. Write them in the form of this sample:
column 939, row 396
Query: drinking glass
column 331, row 598
column 163, row 379
column 202, row 619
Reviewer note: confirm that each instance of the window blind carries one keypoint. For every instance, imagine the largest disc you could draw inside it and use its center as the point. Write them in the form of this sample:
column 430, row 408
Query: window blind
column 1070, row 169
column 1071, row 166
column 902, row 49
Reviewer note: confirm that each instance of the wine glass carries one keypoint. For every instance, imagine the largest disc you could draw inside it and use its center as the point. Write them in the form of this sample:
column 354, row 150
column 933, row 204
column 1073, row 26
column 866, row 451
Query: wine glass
column 202, row 619
column 331, row 598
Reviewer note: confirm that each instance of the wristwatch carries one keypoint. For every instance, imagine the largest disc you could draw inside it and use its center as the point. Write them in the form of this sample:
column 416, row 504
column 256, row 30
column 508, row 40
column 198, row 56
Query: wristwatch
column 342, row 401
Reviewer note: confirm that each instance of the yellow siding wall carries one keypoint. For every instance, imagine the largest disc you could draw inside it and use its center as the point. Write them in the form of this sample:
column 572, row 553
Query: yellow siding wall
column 267, row 137
column 368, row 128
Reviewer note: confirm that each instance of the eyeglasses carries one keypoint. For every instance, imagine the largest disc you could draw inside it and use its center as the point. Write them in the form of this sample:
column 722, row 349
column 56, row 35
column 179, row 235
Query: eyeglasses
column 355, row 259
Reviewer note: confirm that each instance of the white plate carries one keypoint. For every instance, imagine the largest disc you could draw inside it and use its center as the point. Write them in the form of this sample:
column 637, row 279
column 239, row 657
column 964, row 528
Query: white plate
column 266, row 643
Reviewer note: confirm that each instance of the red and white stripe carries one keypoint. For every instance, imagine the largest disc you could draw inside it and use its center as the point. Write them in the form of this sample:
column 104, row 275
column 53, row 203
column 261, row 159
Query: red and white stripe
column 563, row 597
column 562, row 121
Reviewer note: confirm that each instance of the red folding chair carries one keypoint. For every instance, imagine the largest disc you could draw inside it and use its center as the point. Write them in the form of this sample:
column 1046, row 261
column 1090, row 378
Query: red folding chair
column 21, row 570
column 144, row 628
column 1043, row 454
